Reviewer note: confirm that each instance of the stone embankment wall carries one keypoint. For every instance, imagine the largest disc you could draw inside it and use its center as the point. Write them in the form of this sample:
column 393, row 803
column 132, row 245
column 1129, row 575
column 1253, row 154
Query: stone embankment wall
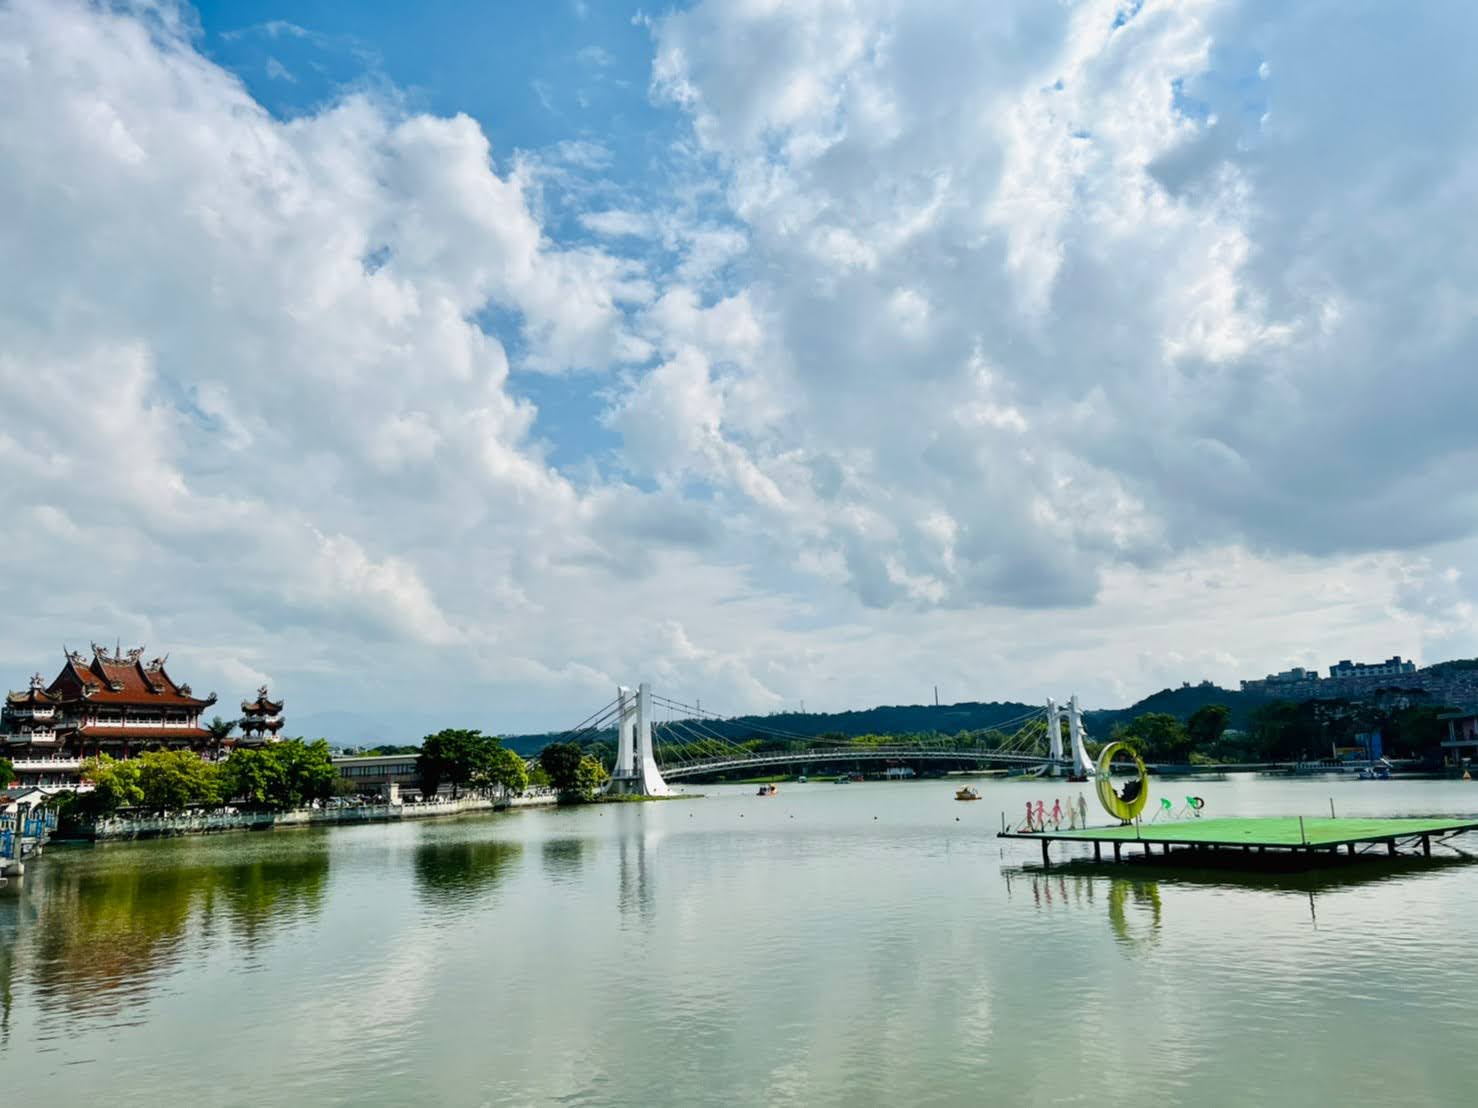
column 187, row 823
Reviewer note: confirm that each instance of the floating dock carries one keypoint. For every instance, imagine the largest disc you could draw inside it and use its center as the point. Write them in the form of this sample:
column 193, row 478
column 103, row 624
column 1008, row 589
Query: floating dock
column 1250, row 840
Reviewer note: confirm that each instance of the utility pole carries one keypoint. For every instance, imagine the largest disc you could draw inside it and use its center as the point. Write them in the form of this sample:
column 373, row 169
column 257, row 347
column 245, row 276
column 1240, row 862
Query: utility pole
column 936, row 696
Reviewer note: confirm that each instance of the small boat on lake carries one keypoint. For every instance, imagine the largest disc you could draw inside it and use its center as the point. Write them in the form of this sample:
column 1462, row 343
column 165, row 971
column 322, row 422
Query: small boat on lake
column 967, row 793
column 1377, row 771
column 767, row 790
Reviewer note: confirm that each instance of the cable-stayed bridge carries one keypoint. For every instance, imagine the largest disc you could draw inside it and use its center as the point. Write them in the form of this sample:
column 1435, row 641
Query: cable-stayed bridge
column 659, row 739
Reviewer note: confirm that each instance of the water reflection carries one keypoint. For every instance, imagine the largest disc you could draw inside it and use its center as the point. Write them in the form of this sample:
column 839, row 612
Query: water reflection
column 460, row 873
column 96, row 938
column 636, row 888
column 563, row 859
column 1144, row 898
column 1136, row 907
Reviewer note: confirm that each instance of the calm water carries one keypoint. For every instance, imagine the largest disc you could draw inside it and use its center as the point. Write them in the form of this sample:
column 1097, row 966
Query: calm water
column 866, row 944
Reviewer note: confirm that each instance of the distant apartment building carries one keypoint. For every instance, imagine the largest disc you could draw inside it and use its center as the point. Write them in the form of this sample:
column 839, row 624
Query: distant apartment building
column 1273, row 681
column 1391, row 667
column 1346, row 678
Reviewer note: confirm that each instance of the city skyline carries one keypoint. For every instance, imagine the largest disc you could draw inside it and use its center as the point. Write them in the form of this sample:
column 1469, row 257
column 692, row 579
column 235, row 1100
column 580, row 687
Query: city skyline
column 763, row 352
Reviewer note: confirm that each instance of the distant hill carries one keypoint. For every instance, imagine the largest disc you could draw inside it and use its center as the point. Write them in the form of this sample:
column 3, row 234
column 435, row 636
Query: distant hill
column 950, row 719
column 895, row 719
column 1181, row 703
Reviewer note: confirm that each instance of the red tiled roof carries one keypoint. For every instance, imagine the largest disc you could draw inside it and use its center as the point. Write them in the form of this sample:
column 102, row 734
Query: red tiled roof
column 143, row 734
column 138, row 683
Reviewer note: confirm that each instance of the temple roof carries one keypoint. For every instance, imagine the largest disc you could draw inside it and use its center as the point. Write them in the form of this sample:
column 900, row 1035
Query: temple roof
column 263, row 705
column 120, row 678
column 143, row 734
column 35, row 695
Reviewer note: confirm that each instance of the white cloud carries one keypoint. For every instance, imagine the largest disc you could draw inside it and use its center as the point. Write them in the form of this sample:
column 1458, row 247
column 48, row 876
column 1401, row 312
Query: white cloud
column 1097, row 212
column 1002, row 346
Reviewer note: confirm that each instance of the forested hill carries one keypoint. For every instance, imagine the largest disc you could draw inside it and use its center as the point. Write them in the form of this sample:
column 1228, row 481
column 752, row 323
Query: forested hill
column 1180, row 703
column 947, row 719
column 950, row 719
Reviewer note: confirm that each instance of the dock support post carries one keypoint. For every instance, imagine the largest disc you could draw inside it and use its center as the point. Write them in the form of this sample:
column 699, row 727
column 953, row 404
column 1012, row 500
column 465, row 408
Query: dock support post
column 1427, row 845
column 1391, row 847
column 1351, row 847
column 1116, row 852
column 1097, row 852
column 1046, row 861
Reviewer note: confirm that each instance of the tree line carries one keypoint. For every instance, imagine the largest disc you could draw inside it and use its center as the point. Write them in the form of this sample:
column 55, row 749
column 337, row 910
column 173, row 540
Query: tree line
column 1288, row 731
column 274, row 777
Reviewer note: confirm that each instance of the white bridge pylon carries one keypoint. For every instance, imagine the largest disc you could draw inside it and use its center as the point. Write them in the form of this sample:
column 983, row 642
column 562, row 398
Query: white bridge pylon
column 1077, row 736
column 636, row 772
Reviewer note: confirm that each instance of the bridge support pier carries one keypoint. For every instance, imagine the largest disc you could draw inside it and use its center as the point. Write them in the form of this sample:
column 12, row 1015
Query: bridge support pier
column 636, row 772
column 1054, row 738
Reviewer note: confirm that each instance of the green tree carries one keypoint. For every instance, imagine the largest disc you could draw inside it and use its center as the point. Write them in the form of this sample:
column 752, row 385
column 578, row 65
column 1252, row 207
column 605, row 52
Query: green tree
column 220, row 730
column 455, row 756
column 590, row 775
column 7, row 770
column 177, row 779
column 252, row 775
column 538, row 777
column 1159, row 737
column 114, row 784
column 1207, row 725
column 306, row 771
column 561, row 761
column 505, row 770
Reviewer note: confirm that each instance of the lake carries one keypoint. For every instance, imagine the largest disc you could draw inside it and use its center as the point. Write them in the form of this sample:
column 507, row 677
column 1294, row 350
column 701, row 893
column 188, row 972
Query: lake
column 864, row 944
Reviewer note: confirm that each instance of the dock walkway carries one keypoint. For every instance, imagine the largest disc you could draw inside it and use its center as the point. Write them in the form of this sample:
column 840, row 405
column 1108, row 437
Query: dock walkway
column 1256, row 836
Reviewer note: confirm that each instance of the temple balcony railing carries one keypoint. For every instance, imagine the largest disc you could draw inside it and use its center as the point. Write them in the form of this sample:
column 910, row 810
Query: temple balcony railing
column 27, row 738
column 43, row 765
column 33, row 713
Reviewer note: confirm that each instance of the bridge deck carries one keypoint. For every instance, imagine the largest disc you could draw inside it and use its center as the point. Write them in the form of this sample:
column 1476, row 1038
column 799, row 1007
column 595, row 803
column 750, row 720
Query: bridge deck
column 1274, row 832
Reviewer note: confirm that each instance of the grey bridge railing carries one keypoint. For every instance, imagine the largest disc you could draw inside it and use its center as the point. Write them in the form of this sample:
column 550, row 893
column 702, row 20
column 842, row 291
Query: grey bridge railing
column 676, row 770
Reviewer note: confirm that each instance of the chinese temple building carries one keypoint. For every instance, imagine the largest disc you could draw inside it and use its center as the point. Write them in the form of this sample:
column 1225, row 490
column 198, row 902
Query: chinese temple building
column 260, row 721
column 115, row 704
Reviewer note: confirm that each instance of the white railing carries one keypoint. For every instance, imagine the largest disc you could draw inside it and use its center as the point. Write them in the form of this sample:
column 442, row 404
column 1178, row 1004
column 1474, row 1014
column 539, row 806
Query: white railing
column 43, row 764
column 21, row 738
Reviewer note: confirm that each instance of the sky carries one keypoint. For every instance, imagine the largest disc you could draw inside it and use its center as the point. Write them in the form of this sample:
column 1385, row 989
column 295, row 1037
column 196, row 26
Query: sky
column 450, row 364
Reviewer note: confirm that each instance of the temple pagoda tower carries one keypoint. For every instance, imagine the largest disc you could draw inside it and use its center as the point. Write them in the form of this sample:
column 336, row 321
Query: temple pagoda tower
column 113, row 703
column 261, row 719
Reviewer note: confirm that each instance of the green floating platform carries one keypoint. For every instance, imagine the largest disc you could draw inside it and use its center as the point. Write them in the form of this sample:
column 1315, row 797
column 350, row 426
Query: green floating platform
column 1258, row 836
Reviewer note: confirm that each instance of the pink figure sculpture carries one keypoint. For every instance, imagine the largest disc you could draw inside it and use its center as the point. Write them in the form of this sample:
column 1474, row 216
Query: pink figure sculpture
column 1056, row 813
column 1041, row 816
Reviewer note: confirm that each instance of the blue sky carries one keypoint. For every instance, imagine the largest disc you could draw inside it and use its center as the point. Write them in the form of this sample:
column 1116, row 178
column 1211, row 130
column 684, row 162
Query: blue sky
column 454, row 362
column 532, row 75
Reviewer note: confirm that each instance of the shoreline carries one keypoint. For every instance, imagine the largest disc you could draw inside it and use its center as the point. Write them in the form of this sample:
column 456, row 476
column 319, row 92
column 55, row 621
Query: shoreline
column 214, row 823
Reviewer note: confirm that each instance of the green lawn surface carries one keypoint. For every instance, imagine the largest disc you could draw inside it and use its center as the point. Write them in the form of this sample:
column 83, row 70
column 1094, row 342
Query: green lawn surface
column 1277, row 831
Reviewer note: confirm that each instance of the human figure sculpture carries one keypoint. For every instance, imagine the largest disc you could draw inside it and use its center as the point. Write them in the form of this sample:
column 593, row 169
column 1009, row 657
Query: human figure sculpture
column 1041, row 816
column 1056, row 813
column 1082, row 811
column 1029, row 824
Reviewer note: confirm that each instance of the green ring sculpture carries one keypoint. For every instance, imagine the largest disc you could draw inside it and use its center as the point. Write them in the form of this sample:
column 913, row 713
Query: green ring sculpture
column 1128, row 804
